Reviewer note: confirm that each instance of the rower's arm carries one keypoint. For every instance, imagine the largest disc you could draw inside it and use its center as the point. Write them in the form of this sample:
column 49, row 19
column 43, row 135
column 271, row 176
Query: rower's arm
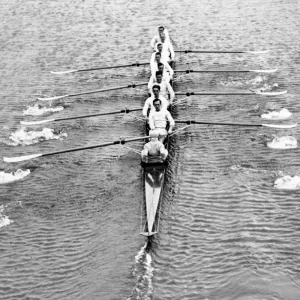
column 171, row 50
column 151, row 122
column 153, row 68
column 153, row 42
column 145, row 108
column 171, row 121
column 150, row 83
column 171, row 92
column 169, row 69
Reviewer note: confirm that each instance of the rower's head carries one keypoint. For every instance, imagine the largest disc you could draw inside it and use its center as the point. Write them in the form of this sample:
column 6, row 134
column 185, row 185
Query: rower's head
column 153, row 135
column 160, row 67
column 157, row 56
column 156, row 90
column 157, row 104
column 159, row 76
column 163, row 37
column 159, row 47
column 161, row 29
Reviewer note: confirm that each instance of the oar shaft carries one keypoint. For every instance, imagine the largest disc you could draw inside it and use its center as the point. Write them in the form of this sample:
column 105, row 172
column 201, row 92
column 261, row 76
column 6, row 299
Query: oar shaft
column 220, row 51
column 117, row 142
column 207, row 51
column 126, row 110
column 213, row 93
column 137, row 64
column 109, row 89
column 211, row 71
column 189, row 122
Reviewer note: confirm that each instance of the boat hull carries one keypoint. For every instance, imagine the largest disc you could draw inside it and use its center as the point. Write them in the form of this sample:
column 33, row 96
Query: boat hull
column 154, row 176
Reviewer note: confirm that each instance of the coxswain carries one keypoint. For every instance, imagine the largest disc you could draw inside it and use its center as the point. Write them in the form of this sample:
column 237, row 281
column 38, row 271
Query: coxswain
column 154, row 64
column 154, row 150
column 157, row 38
column 154, row 95
column 158, row 119
column 166, row 89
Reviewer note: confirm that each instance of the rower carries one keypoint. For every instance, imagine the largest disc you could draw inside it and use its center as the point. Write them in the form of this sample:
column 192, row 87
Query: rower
column 154, row 95
column 158, row 120
column 154, row 151
column 166, row 89
column 167, row 50
column 157, row 38
column 154, row 64
column 165, row 76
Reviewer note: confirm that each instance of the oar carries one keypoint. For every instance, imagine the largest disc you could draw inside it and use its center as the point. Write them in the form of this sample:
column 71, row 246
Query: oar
column 221, row 51
column 232, row 93
column 189, row 122
column 126, row 110
column 28, row 157
column 226, row 71
column 133, row 85
column 137, row 64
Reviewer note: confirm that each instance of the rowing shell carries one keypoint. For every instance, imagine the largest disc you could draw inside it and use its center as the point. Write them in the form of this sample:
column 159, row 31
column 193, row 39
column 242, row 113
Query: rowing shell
column 154, row 177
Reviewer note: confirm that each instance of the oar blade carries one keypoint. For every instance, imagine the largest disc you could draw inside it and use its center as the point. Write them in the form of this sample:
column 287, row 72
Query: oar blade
column 52, row 98
column 257, row 52
column 36, row 122
column 21, row 158
column 281, row 126
column 271, row 93
column 264, row 71
column 63, row 72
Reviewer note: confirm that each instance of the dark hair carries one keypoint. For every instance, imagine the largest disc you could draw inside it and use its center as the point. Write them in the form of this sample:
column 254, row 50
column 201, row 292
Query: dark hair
column 160, row 64
column 158, row 53
column 156, row 86
column 161, row 27
column 155, row 100
column 159, row 44
column 158, row 73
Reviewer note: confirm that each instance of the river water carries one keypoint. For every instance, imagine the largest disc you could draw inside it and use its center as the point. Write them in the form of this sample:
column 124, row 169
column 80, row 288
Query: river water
column 70, row 228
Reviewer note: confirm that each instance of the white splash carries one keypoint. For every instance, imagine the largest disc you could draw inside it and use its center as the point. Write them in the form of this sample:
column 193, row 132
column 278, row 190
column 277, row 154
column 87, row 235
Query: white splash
column 14, row 176
column 39, row 109
column 277, row 115
column 288, row 183
column 24, row 138
column 284, row 142
column 143, row 271
column 4, row 220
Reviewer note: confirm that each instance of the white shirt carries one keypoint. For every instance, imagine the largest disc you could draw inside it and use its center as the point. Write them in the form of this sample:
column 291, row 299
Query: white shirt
column 152, row 80
column 165, row 90
column 156, row 39
column 149, row 104
column 154, row 66
column 158, row 119
column 167, row 50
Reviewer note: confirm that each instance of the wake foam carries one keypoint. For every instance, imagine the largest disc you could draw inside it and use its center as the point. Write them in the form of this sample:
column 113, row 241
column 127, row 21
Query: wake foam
column 277, row 115
column 288, row 183
column 14, row 176
column 284, row 142
column 25, row 138
column 38, row 110
column 4, row 220
column 143, row 272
